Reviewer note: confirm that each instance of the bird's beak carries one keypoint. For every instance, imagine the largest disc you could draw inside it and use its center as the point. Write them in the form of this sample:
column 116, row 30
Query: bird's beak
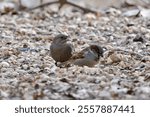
column 67, row 37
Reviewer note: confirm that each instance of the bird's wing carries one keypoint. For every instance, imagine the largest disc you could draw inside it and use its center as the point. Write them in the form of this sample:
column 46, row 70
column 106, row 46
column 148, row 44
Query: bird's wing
column 78, row 55
column 81, row 54
column 68, row 49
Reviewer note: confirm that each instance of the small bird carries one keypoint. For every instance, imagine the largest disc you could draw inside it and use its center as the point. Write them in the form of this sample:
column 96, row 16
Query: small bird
column 88, row 56
column 60, row 50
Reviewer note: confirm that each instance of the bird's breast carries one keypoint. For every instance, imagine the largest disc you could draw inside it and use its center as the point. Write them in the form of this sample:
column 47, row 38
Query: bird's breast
column 60, row 53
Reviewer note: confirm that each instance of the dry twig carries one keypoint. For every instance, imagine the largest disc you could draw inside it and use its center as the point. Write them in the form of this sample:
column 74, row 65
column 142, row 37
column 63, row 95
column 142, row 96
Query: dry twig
column 63, row 2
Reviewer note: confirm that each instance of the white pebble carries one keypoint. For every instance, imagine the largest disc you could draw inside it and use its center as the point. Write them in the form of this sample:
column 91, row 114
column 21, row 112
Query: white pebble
column 4, row 64
column 25, row 67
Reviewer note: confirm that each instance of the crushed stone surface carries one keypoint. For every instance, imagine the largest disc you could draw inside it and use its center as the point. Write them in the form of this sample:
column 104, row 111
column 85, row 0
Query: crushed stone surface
column 27, row 70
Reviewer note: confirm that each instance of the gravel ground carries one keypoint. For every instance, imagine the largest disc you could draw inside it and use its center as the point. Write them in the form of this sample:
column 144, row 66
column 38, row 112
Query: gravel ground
column 27, row 70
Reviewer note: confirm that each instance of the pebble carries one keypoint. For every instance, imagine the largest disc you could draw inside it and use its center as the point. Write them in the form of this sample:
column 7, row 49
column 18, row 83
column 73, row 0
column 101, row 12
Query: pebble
column 32, row 67
column 4, row 64
column 25, row 67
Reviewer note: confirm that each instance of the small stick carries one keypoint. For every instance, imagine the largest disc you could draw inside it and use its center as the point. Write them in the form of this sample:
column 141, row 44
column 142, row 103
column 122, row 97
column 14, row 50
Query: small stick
column 62, row 3
column 86, row 10
column 43, row 5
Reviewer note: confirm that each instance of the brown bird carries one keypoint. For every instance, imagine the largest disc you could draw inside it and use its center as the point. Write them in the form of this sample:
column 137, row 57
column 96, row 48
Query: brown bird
column 60, row 50
column 88, row 56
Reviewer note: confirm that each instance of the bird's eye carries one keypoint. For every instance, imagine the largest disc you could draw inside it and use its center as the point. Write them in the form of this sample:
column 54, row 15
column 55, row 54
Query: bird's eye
column 62, row 37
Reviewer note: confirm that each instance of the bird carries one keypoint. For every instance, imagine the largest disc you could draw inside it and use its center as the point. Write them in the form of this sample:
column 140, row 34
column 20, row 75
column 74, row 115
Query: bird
column 88, row 56
column 60, row 50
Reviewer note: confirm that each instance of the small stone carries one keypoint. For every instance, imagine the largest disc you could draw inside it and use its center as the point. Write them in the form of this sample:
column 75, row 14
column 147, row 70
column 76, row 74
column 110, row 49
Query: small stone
column 25, row 66
column 131, row 13
column 138, row 39
column 4, row 64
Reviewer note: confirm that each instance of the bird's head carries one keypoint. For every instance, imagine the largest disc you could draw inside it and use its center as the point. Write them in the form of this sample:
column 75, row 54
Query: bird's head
column 60, row 39
column 97, row 49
